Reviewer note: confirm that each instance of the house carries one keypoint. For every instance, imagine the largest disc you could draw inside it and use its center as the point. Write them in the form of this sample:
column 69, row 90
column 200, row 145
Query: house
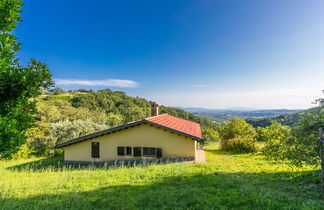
column 154, row 138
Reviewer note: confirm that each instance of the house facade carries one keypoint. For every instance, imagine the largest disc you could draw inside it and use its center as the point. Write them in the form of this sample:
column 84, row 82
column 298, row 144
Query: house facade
column 157, row 137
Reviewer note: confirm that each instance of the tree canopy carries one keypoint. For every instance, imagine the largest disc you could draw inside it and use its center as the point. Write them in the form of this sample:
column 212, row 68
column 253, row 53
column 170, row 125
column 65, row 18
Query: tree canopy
column 18, row 83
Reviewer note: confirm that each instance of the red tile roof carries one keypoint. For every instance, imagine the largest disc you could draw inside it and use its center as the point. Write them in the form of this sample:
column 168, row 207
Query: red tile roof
column 178, row 124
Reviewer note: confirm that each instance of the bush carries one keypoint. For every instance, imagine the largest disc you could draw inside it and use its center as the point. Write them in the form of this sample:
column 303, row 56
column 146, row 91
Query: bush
column 25, row 151
column 237, row 145
column 276, row 138
column 237, row 127
column 210, row 135
column 298, row 144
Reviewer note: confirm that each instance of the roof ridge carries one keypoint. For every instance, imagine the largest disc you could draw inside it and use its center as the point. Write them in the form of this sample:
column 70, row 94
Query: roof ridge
column 156, row 116
column 174, row 124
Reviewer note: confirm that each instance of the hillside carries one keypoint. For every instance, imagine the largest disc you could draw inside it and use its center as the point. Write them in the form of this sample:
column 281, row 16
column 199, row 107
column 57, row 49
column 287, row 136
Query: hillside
column 66, row 115
column 103, row 106
column 284, row 119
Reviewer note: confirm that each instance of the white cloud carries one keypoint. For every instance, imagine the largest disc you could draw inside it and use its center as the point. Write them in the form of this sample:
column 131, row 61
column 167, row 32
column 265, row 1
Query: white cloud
column 106, row 82
column 199, row 86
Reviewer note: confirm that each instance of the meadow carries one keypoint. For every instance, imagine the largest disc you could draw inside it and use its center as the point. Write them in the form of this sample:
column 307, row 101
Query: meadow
column 227, row 181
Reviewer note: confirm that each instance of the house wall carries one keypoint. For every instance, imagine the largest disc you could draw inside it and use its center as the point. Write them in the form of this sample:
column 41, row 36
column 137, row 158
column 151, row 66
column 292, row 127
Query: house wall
column 144, row 135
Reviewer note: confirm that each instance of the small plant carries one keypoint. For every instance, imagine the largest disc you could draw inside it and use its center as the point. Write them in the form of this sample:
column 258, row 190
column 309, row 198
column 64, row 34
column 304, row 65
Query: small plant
column 238, row 145
column 24, row 152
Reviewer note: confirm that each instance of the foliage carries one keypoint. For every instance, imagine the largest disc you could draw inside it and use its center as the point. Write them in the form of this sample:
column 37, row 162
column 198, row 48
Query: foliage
column 72, row 114
column 227, row 181
column 66, row 130
column 25, row 151
column 18, row 84
column 58, row 91
column 273, row 132
column 237, row 145
column 46, row 136
column 299, row 145
column 275, row 136
column 237, row 127
column 284, row 119
column 210, row 135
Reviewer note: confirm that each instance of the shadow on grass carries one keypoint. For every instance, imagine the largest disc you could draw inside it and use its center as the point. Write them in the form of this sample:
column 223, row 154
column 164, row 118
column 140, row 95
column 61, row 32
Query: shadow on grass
column 209, row 191
column 216, row 190
column 56, row 164
column 39, row 165
column 220, row 152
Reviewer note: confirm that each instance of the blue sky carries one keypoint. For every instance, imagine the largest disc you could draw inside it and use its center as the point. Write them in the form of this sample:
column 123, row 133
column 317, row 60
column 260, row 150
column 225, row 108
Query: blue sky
column 213, row 54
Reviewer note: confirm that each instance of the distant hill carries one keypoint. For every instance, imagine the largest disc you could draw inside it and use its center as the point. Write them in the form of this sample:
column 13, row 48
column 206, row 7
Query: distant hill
column 284, row 119
column 221, row 115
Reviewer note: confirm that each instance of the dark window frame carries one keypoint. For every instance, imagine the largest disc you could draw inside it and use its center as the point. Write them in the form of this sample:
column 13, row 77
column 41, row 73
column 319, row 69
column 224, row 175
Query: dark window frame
column 149, row 151
column 120, row 151
column 128, row 151
column 124, row 151
column 158, row 152
column 137, row 151
column 95, row 149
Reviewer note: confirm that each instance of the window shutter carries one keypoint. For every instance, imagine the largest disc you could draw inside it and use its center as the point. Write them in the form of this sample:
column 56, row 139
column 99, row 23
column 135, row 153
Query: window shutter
column 121, row 151
column 137, row 151
column 146, row 151
column 158, row 152
column 152, row 151
column 95, row 149
column 128, row 151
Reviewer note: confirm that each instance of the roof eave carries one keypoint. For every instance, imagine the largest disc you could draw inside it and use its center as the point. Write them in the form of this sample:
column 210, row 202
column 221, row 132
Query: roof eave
column 121, row 127
column 99, row 133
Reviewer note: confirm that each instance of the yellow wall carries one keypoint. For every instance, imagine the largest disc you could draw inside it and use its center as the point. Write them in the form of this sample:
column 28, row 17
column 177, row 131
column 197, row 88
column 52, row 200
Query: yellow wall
column 144, row 135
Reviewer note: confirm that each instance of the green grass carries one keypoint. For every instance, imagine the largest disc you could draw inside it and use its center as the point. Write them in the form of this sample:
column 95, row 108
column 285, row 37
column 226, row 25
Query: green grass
column 226, row 182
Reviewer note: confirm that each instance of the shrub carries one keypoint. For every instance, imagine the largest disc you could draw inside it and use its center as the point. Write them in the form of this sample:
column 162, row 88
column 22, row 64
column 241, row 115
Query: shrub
column 237, row 145
column 237, row 127
column 25, row 151
column 210, row 135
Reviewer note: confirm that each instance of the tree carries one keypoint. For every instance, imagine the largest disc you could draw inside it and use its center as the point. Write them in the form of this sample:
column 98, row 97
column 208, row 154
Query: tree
column 237, row 136
column 18, row 83
column 300, row 146
column 237, row 127
column 210, row 135
column 58, row 91
column 275, row 136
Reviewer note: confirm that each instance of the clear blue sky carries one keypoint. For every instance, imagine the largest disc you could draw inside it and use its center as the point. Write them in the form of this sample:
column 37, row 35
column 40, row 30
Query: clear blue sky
column 214, row 54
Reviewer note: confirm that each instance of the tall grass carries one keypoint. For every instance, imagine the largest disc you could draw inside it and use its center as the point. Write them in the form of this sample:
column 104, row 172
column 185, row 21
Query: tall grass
column 226, row 181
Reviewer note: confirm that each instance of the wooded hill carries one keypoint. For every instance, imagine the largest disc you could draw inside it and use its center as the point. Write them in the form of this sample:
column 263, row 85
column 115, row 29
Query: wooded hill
column 284, row 119
column 66, row 115
column 103, row 106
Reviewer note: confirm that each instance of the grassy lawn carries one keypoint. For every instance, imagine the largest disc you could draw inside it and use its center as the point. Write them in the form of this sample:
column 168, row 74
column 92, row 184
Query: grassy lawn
column 225, row 182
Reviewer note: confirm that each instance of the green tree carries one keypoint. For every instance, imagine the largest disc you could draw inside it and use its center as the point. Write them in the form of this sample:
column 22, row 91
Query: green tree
column 18, row 83
column 276, row 136
column 237, row 127
column 237, row 136
column 300, row 146
column 58, row 91
column 210, row 135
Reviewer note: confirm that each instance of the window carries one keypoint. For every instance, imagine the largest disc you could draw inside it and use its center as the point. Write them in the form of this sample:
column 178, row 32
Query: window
column 149, row 151
column 124, row 151
column 95, row 149
column 137, row 151
column 158, row 152
column 128, row 151
column 121, row 150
